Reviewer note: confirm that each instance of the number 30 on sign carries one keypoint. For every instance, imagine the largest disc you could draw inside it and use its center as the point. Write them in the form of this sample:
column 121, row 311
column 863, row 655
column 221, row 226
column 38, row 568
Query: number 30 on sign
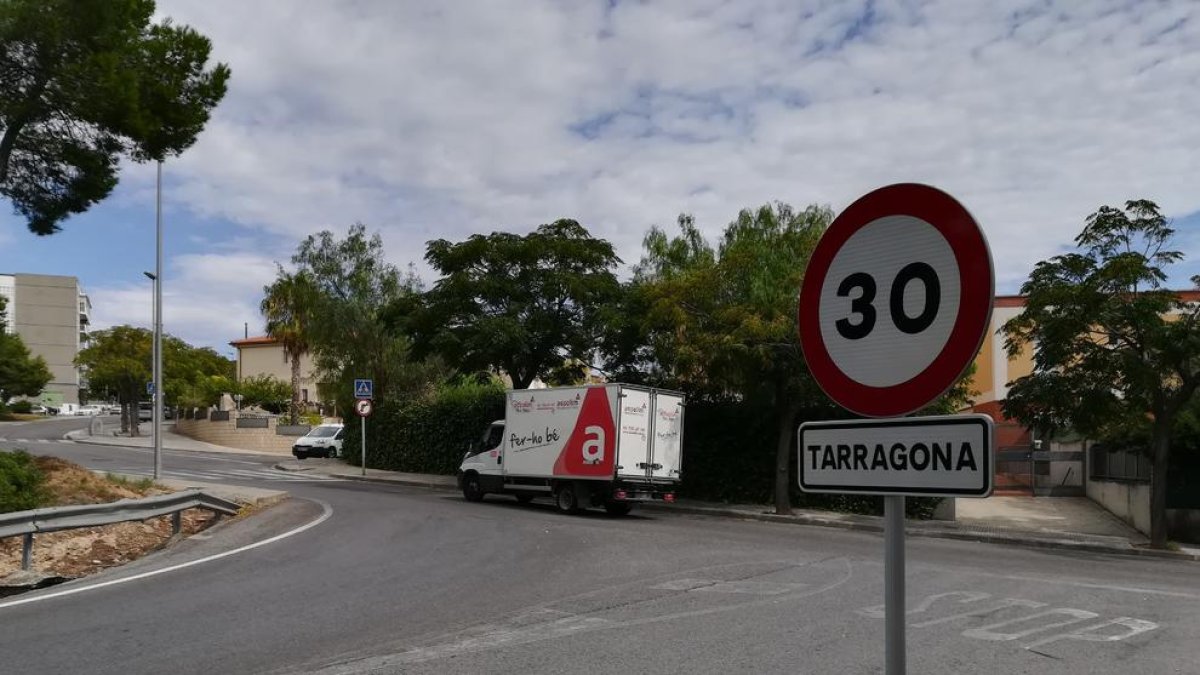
column 896, row 300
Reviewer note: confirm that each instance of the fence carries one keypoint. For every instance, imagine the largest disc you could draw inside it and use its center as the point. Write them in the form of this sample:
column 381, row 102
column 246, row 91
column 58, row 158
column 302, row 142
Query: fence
column 1119, row 465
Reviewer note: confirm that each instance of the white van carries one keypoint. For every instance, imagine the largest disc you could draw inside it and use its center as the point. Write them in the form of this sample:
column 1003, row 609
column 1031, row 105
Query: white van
column 609, row 445
column 321, row 441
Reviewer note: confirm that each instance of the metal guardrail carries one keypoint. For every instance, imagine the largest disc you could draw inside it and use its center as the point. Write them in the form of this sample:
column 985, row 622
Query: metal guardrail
column 28, row 523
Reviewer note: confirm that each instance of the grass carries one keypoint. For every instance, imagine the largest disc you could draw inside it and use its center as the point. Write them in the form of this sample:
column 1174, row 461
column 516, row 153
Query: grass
column 22, row 417
column 135, row 484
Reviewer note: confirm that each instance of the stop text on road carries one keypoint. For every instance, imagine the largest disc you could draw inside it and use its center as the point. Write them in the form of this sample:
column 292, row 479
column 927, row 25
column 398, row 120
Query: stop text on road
column 896, row 300
column 363, row 407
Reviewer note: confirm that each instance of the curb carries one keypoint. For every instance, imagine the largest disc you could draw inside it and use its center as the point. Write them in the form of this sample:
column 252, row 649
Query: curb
column 410, row 482
column 396, row 481
column 1009, row 539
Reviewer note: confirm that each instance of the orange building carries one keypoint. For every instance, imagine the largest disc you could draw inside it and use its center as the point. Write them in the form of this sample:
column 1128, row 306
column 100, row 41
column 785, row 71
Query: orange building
column 1023, row 466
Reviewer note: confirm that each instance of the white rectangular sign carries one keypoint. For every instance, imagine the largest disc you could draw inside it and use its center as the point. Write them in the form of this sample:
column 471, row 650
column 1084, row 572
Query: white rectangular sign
column 944, row 456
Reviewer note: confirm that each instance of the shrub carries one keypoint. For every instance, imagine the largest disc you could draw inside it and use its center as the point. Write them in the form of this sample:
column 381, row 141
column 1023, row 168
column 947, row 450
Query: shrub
column 429, row 433
column 22, row 484
column 21, row 407
column 267, row 392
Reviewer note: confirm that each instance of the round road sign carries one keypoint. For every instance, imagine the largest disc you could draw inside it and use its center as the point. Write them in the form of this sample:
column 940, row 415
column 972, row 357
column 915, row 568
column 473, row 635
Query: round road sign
column 363, row 407
column 896, row 300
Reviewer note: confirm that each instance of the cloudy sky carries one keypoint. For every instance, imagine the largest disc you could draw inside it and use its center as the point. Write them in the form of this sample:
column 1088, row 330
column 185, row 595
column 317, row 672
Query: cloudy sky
column 441, row 119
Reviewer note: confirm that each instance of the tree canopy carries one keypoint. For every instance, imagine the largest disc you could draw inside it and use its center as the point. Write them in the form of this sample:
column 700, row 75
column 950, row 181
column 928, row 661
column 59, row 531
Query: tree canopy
column 117, row 361
column 288, row 305
column 84, row 83
column 350, row 336
column 1112, row 346
column 722, row 321
column 524, row 305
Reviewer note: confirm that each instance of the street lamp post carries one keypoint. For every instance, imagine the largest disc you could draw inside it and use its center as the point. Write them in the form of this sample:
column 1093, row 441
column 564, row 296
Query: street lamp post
column 153, row 364
column 157, row 396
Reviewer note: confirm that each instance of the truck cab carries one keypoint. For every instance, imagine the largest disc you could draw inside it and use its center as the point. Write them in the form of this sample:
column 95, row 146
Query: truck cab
column 485, row 459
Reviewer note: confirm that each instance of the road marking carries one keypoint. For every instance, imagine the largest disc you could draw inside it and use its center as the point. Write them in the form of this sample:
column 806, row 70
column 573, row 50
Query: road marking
column 985, row 611
column 878, row 611
column 327, row 511
column 989, row 632
column 1088, row 633
column 520, row 631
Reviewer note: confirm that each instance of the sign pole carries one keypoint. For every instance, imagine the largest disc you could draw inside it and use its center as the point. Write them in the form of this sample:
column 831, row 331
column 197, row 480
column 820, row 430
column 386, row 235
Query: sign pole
column 363, row 425
column 884, row 335
column 893, row 584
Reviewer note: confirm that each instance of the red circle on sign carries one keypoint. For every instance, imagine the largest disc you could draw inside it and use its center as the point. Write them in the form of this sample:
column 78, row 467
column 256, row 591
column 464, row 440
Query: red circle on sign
column 974, row 261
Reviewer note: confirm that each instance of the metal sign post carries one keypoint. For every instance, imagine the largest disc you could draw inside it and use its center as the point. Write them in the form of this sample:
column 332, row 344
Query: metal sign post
column 363, row 408
column 895, row 303
column 895, row 658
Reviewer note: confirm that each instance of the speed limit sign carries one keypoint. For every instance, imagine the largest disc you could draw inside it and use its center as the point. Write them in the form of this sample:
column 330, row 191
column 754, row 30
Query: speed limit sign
column 896, row 300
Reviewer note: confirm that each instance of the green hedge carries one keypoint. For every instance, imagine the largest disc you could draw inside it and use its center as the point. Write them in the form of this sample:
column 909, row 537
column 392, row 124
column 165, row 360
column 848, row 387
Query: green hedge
column 22, row 483
column 428, row 434
column 728, row 453
column 729, row 456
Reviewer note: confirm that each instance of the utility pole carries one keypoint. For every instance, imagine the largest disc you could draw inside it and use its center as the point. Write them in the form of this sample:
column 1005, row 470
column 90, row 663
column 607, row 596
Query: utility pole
column 158, row 374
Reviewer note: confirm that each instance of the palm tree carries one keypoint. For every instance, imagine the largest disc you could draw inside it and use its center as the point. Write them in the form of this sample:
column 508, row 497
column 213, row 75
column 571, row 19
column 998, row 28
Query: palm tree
column 288, row 305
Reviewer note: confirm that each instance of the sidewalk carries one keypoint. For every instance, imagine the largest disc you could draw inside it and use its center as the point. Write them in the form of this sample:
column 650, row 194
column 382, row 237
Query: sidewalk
column 171, row 441
column 1048, row 522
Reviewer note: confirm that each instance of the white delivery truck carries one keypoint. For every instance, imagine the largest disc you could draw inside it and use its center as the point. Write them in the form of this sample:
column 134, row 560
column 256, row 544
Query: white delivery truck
column 609, row 445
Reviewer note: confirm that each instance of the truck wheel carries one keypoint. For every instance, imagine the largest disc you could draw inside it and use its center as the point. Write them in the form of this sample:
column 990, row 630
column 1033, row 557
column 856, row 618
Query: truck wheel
column 472, row 490
column 524, row 498
column 618, row 508
column 566, row 500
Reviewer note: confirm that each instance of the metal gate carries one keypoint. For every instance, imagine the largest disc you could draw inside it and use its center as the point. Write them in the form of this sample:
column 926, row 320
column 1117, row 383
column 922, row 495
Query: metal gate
column 1014, row 470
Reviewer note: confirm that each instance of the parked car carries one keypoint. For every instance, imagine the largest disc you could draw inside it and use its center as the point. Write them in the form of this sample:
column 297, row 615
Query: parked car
column 322, row 441
column 39, row 410
column 145, row 412
column 90, row 410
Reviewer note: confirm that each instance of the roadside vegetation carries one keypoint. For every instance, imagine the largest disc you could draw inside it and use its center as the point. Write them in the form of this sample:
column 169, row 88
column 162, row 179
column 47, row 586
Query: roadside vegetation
column 31, row 482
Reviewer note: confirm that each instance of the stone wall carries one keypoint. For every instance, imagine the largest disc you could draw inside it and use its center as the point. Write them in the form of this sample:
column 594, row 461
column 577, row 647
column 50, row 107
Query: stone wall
column 227, row 433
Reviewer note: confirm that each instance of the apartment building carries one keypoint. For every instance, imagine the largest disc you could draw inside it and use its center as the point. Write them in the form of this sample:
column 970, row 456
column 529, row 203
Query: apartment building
column 51, row 314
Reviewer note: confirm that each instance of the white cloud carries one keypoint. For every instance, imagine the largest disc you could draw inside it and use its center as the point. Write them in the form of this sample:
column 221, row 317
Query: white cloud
column 207, row 298
column 438, row 120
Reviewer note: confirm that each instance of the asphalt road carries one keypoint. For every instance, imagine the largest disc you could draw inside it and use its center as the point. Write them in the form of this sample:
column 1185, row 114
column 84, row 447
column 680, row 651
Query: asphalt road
column 405, row 580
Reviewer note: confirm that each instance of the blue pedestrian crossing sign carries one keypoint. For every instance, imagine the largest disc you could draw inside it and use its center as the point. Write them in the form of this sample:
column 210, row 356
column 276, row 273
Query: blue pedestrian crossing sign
column 364, row 389
column 149, row 387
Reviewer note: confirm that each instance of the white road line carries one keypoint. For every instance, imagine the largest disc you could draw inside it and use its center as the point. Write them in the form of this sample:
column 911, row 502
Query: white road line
column 327, row 511
column 194, row 475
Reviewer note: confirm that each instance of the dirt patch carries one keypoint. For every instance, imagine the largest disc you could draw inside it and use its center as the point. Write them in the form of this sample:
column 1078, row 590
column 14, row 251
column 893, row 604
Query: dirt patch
column 76, row 553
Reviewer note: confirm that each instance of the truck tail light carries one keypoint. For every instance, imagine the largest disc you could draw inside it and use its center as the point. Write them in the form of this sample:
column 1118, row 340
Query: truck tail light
column 620, row 495
column 669, row 498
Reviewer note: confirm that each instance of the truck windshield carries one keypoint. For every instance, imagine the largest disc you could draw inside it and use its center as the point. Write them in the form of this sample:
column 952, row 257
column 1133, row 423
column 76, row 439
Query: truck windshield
column 495, row 436
column 323, row 432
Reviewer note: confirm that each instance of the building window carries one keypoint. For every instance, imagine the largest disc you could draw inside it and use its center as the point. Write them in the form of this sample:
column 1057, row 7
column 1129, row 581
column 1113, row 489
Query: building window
column 304, row 395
